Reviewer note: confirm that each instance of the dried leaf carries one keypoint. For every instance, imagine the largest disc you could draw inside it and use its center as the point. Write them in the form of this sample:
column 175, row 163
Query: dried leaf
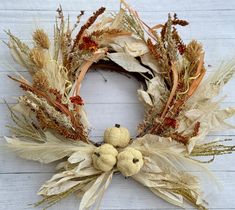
column 127, row 62
column 148, row 60
column 129, row 45
column 144, row 97
column 96, row 190
column 53, row 149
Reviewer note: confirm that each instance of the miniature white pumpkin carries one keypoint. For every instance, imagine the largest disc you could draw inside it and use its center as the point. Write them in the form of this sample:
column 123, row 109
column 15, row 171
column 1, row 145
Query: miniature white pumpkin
column 104, row 157
column 117, row 136
column 129, row 161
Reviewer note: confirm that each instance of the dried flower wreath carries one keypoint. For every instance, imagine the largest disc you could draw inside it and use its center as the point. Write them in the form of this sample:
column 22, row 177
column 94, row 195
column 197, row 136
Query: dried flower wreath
column 51, row 123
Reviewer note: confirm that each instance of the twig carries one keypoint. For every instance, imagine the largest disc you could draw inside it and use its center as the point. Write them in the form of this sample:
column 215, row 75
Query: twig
column 84, row 68
column 173, row 90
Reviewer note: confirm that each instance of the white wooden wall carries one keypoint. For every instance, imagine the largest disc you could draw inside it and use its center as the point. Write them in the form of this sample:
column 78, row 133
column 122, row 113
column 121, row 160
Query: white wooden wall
column 114, row 101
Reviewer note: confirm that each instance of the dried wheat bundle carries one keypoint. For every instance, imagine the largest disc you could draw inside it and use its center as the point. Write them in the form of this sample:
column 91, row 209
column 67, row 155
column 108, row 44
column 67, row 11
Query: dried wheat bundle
column 180, row 107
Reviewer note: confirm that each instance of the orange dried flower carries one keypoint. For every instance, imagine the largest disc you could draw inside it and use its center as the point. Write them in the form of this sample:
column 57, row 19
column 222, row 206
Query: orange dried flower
column 170, row 122
column 76, row 100
column 88, row 44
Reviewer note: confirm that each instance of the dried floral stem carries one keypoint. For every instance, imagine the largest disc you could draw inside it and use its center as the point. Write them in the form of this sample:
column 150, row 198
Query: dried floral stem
column 77, row 126
column 173, row 90
column 83, row 70
column 90, row 21
column 200, row 71
column 169, row 101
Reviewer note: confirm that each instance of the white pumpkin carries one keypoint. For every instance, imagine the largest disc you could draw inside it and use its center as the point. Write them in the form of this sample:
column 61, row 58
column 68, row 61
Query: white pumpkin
column 117, row 136
column 104, row 157
column 129, row 161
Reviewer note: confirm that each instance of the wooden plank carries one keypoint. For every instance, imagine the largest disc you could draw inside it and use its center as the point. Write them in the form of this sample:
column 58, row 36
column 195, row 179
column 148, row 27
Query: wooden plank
column 98, row 86
column 203, row 24
column 100, row 115
column 20, row 190
column 95, row 89
column 11, row 163
column 217, row 51
column 147, row 5
column 211, row 22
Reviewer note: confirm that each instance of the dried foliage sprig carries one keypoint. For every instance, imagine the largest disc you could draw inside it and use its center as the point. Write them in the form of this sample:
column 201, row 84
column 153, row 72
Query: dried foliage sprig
column 90, row 21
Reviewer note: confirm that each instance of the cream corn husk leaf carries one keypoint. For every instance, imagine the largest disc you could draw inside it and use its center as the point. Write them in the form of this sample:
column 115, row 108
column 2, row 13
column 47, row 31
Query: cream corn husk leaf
column 129, row 45
column 148, row 60
column 127, row 62
column 51, row 150
column 162, row 173
column 57, row 77
column 211, row 87
column 144, row 97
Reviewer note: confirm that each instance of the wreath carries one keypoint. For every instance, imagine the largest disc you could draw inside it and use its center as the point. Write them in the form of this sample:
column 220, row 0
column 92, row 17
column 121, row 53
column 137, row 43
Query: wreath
column 180, row 110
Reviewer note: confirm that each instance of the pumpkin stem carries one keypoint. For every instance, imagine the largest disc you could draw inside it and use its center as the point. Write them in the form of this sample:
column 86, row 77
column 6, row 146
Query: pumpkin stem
column 135, row 160
column 117, row 125
column 97, row 154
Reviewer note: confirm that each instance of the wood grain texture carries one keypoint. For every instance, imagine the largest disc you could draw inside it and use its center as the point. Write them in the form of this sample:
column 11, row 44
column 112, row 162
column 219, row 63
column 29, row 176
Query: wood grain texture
column 211, row 22
column 19, row 190
column 203, row 24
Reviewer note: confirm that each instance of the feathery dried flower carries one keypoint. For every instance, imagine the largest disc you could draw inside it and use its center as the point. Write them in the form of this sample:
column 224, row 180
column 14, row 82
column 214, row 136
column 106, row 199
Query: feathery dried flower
column 179, row 42
column 40, row 81
column 193, row 51
column 88, row 44
column 37, row 57
column 76, row 100
column 153, row 49
column 41, row 39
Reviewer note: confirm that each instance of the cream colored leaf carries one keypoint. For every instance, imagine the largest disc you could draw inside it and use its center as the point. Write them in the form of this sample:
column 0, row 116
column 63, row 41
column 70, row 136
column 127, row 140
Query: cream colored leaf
column 82, row 158
column 129, row 45
column 59, row 188
column 157, row 89
column 51, row 150
column 166, row 153
column 57, row 76
column 210, row 118
column 196, row 139
column 96, row 190
column 127, row 62
column 148, row 60
column 144, row 97
column 65, row 180
column 117, row 21
column 43, row 152
column 211, row 87
column 169, row 196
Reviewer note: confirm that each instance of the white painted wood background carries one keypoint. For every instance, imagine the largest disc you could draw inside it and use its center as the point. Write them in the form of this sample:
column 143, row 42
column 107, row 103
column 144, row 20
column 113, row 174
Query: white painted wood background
column 114, row 101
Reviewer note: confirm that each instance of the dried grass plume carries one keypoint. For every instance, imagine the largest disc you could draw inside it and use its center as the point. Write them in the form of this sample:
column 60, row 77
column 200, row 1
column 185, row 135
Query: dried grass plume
column 41, row 39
